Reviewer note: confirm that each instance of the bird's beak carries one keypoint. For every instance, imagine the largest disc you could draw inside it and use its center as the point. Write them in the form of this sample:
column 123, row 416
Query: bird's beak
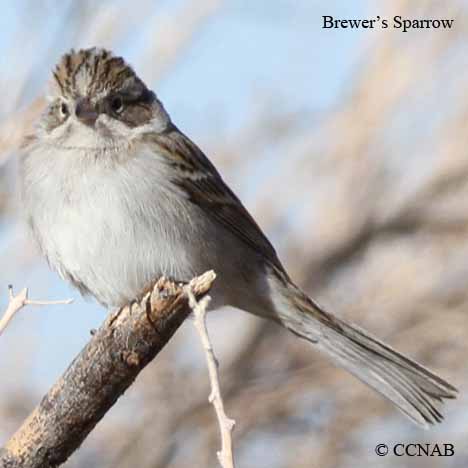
column 85, row 111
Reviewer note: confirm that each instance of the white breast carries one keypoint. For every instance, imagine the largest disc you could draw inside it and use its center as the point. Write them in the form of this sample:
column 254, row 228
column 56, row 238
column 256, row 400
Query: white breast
column 110, row 227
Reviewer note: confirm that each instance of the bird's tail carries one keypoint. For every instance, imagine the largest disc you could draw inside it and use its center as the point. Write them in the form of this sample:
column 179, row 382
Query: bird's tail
column 415, row 390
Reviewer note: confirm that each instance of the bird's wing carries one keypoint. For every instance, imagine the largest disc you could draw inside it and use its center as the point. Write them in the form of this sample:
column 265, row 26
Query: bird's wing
column 199, row 179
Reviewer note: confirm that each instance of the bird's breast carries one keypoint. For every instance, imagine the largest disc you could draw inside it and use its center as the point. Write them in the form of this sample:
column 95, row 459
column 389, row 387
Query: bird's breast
column 113, row 228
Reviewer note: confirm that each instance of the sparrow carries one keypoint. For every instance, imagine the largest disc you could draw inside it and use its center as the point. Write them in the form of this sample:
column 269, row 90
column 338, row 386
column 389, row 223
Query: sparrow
column 116, row 196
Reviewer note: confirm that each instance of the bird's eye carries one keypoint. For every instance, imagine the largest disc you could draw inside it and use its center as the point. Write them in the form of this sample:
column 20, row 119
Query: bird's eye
column 64, row 109
column 116, row 104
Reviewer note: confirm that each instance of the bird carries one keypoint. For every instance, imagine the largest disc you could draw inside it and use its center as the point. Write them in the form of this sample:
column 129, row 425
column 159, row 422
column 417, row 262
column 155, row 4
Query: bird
column 116, row 196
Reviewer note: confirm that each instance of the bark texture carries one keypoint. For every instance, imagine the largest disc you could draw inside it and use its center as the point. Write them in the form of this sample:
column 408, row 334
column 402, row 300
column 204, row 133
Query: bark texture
column 127, row 341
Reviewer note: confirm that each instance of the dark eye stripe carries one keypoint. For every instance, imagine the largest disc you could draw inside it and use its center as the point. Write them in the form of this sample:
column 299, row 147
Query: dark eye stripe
column 137, row 96
column 142, row 99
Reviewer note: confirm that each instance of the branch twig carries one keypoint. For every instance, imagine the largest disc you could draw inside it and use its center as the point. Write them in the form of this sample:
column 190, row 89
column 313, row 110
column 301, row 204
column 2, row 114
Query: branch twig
column 16, row 303
column 127, row 341
column 226, row 425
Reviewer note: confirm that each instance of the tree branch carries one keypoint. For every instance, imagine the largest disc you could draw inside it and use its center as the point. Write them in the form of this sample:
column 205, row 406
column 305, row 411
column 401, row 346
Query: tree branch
column 127, row 341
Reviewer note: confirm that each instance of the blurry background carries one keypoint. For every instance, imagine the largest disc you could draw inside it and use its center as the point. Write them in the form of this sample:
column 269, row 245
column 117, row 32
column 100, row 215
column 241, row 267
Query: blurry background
column 350, row 149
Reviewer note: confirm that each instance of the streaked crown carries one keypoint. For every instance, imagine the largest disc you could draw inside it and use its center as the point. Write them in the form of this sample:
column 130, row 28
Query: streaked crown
column 92, row 72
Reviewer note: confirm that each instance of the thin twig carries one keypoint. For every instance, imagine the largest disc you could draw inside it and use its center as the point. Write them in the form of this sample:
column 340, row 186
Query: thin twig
column 16, row 303
column 226, row 425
